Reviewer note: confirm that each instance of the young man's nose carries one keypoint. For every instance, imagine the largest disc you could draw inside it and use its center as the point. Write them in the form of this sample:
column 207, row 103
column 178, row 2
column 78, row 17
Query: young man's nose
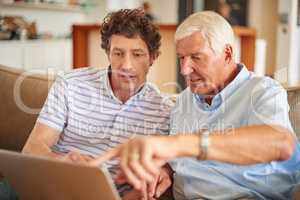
column 127, row 63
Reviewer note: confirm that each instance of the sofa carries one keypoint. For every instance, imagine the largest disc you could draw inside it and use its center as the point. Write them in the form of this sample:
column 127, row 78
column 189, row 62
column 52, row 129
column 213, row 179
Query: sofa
column 22, row 96
column 16, row 122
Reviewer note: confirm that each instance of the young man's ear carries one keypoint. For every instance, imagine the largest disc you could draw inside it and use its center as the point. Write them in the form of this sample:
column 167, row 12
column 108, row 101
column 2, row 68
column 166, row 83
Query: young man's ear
column 153, row 57
column 107, row 54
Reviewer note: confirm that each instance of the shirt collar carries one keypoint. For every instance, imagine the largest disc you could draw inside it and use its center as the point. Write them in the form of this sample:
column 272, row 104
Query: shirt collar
column 217, row 100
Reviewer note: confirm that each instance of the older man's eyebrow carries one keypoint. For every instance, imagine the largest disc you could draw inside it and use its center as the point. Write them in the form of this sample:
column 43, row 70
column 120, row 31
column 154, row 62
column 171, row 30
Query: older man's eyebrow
column 197, row 54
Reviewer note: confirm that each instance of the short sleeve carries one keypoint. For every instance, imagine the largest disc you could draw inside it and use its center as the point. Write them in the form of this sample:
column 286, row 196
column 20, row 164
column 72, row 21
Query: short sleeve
column 55, row 109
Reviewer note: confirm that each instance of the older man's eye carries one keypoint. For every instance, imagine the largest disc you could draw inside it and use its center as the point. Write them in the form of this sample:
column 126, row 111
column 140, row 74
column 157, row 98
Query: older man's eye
column 180, row 57
column 196, row 58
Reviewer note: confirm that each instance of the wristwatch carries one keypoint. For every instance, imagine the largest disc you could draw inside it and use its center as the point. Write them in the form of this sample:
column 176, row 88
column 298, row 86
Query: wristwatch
column 204, row 144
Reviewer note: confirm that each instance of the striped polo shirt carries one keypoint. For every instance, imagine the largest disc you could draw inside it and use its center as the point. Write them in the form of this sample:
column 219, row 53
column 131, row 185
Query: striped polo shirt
column 82, row 106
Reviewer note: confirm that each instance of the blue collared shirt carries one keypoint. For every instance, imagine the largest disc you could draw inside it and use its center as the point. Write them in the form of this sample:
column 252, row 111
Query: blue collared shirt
column 216, row 102
column 247, row 100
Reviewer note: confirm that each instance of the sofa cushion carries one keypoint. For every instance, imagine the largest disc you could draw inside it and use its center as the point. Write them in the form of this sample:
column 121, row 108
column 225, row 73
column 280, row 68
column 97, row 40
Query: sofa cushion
column 294, row 114
column 22, row 96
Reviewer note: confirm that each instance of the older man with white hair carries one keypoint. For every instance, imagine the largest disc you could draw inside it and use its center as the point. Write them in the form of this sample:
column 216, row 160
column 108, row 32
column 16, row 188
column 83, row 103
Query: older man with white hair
column 235, row 123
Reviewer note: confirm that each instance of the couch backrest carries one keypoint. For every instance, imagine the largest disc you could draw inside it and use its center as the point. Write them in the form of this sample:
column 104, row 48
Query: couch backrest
column 294, row 102
column 17, row 88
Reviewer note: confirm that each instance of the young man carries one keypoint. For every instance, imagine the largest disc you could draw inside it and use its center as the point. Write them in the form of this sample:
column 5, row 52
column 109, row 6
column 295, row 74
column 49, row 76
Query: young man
column 233, row 121
column 89, row 111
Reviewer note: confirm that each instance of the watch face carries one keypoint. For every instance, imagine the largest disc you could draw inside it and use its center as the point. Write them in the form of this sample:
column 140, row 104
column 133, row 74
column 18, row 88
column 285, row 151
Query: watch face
column 204, row 144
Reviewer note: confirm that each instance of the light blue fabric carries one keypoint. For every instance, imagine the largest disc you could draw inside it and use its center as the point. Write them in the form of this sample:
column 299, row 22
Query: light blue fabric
column 247, row 100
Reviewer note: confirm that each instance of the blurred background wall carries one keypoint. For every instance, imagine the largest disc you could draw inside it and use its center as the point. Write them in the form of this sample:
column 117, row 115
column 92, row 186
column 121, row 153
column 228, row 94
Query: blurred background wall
column 37, row 34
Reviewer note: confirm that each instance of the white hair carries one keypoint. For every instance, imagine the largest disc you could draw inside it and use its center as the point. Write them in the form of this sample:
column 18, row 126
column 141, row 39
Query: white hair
column 214, row 27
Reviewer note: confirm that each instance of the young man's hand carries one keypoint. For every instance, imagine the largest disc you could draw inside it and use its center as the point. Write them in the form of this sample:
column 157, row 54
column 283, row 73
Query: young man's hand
column 76, row 157
column 139, row 194
column 161, row 183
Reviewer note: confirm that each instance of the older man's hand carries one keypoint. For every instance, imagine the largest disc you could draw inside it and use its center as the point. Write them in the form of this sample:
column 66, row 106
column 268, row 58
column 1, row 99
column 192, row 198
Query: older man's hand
column 142, row 157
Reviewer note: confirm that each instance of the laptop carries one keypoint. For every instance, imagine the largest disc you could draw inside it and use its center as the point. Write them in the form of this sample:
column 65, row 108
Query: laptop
column 38, row 178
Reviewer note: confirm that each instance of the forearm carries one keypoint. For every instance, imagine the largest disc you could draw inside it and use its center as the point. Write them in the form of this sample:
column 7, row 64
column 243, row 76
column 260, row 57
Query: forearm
column 40, row 149
column 248, row 145
column 41, row 140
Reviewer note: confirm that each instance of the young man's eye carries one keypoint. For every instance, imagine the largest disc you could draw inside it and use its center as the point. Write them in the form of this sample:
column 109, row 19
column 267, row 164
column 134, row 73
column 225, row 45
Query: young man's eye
column 117, row 53
column 138, row 54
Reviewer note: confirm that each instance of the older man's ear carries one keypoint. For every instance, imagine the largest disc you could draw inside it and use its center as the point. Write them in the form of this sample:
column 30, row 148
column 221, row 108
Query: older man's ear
column 229, row 56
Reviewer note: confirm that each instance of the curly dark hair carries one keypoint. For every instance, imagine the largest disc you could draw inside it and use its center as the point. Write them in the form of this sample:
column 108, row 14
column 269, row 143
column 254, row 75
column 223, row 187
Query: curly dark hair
column 130, row 23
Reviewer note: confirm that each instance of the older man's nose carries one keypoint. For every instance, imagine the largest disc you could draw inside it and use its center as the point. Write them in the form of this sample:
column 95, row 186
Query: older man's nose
column 186, row 66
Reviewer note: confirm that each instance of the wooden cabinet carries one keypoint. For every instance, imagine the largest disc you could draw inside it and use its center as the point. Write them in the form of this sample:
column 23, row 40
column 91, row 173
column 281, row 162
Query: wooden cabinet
column 247, row 45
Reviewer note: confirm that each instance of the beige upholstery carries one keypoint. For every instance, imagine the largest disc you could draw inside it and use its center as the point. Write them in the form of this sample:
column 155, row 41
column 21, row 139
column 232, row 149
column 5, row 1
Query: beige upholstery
column 15, row 123
column 294, row 102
